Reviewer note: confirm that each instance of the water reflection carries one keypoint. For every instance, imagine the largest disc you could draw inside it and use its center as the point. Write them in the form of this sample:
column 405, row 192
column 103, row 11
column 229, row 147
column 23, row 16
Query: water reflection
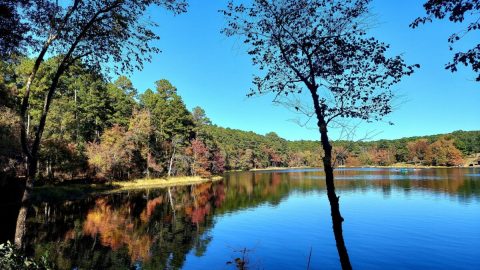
column 156, row 229
column 117, row 231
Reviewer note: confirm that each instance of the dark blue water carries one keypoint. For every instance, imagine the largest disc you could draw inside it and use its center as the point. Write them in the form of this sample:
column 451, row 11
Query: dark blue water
column 424, row 219
column 414, row 219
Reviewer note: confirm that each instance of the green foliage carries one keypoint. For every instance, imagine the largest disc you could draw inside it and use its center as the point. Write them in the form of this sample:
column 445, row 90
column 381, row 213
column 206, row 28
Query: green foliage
column 10, row 150
column 170, row 116
column 12, row 259
column 122, row 101
column 96, row 125
column 199, row 117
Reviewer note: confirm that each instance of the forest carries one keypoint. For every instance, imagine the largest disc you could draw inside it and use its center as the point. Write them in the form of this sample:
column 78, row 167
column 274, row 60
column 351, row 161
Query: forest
column 76, row 128
column 105, row 129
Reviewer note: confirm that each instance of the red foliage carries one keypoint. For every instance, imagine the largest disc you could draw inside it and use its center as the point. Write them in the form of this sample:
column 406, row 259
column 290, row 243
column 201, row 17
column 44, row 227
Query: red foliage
column 200, row 154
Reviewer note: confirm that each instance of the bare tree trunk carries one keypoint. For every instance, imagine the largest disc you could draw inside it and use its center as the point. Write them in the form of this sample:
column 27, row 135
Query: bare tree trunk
column 337, row 218
column 171, row 162
column 75, row 115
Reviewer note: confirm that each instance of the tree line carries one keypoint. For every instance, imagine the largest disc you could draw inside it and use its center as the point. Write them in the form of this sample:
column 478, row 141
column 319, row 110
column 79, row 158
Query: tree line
column 101, row 128
column 248, row 150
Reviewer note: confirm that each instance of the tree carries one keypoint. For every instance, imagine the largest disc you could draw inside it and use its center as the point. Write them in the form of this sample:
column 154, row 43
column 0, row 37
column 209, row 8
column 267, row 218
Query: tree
column 169, row 113
column 417, row 150
column 200, row 158
column 141, row 134
column 457, row 11
column 381, row 156
column 93, row 32
column 246, row 159
column 320, row 46
column 113, row 156
column 10, row 150
column 12, row 30
column 171, row 121
column 200, row 117
column 443, row 153
column 217, row 161
column 122, row 101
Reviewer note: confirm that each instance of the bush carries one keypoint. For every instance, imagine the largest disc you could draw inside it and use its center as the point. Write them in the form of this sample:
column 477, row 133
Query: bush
column 12, row 259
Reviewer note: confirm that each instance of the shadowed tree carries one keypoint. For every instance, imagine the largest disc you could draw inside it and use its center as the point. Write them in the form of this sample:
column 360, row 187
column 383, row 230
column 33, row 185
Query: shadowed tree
column 319, row 46
column 92, row 32
column 12, row 30
column 457, row 11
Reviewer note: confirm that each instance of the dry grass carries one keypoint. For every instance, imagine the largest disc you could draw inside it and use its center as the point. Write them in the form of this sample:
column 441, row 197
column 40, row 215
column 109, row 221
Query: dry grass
column 80, row 191
column 162, row 182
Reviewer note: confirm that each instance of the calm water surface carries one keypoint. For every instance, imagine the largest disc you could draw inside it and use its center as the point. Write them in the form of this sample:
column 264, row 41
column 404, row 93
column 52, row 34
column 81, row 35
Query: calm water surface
column 415, row 219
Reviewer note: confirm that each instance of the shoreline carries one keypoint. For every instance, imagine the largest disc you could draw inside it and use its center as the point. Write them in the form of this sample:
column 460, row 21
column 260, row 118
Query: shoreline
column 76, row 191
column 398, row 166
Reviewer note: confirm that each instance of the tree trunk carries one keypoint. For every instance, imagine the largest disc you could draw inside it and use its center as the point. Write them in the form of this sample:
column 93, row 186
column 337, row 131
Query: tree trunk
column 32, row 153
column 171, row 162
column 20, row 229
column 337, row 218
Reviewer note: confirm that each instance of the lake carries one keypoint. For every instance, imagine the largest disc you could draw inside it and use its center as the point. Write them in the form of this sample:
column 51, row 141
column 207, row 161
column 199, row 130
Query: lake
column 394, row 219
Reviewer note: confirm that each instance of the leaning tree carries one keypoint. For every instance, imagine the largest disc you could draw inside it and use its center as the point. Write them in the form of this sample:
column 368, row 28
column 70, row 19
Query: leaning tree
column 319, row 46
column 106, row 35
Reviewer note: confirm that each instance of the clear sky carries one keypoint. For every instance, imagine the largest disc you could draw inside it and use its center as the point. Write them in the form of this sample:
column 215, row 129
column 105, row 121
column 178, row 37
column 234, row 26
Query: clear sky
column 214, row 72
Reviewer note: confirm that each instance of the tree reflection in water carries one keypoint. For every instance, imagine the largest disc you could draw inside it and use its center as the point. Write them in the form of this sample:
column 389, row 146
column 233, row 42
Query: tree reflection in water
column 156, row 229
column 134, row 228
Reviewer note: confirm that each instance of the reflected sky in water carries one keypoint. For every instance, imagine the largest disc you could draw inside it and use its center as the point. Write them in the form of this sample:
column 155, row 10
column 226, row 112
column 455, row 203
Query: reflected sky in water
column 394, row 219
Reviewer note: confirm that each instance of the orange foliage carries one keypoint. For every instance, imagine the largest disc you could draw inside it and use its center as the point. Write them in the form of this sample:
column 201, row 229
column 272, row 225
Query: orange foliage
column 382, row 157
column 352, row 161
column 443, row 152
column 417, row 150
column 115, row 229
column 151, row 205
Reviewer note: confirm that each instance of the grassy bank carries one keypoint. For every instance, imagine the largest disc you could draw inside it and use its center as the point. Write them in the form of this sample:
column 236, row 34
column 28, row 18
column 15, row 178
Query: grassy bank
column 162, row 182
column 68, row 191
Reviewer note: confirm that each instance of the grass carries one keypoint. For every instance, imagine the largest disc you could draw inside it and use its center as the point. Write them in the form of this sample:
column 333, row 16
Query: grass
column 79, row 191
column 162, row 182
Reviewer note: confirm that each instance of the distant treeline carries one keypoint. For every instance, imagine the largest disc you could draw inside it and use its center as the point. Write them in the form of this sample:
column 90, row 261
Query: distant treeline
column 247, row 150
column 97, row 128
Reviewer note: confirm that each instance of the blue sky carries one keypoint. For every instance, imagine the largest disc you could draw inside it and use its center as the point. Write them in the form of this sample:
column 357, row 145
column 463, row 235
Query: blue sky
column 214, row 72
